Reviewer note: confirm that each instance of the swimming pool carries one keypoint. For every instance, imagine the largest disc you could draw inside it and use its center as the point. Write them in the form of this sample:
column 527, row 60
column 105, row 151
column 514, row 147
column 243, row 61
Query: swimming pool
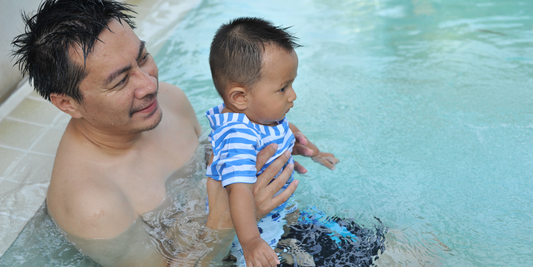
column 426, row 104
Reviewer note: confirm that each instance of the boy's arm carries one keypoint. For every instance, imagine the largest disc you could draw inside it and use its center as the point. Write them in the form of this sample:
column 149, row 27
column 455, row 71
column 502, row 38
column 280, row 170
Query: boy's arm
column 302, row 147
column 242, row 209
column 219, row 219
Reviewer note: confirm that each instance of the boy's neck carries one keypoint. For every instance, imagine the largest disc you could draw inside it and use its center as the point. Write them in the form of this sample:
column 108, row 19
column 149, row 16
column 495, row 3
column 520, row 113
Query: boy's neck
column 230, row 109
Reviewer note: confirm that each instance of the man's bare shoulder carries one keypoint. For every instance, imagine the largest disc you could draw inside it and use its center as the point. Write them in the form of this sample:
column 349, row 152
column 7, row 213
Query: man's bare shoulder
column 89, row 206
column 170, row 93
column 172, row 98
column 81, row 198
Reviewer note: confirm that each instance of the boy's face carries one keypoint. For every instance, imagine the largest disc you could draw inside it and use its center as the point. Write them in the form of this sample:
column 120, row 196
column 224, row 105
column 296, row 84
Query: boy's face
column 272, row 96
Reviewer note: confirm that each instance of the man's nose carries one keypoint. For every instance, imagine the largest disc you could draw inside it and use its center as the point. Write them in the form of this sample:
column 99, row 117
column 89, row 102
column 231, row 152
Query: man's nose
column 146, row 84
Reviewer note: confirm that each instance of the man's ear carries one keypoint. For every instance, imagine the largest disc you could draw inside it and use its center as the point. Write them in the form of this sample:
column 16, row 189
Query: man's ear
column 66, row 104
column 237, row 97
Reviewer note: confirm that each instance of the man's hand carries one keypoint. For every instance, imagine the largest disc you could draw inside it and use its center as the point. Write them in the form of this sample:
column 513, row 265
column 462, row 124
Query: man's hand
column 265, row 202
column 264, row 192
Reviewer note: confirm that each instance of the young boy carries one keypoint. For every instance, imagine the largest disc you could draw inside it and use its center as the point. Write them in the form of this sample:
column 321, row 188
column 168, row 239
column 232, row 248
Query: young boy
column 253, row 65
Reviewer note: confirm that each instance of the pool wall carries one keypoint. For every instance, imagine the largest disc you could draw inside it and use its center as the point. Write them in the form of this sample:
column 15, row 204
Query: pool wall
column 11, row 25
column 31, row 127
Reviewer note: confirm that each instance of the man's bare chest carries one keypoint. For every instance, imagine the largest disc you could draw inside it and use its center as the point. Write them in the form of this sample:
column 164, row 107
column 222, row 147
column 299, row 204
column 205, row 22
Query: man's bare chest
column 142, row 178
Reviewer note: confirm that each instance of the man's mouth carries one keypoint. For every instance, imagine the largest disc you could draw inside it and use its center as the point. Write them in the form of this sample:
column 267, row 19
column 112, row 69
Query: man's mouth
column 147, row 109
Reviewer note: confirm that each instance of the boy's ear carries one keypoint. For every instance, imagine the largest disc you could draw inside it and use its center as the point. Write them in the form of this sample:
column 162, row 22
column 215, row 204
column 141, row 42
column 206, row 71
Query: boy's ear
column 237, row 97
column 66, row 104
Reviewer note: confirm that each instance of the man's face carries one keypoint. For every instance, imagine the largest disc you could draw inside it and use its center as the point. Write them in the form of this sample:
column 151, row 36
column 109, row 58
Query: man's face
column 272, row 96
column 120, row 89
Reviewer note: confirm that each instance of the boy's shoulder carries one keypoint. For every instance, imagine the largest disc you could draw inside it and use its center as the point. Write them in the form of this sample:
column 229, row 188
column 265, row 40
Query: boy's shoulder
column 232, row 129
column 235, row 122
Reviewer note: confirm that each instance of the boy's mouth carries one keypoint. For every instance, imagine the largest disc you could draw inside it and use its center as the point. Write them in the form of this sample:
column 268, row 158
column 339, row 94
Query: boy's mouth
column 289, row 108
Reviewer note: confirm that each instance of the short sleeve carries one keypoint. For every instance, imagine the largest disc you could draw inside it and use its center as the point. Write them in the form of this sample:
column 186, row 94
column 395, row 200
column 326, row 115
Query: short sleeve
column 235, row 155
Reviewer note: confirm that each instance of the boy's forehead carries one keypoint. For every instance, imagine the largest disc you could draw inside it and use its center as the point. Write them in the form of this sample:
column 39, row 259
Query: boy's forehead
column 273, row 54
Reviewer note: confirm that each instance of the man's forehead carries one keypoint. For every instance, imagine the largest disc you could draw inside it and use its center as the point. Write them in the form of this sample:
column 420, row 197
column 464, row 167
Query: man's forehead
column 114, row 48
column 112, row 35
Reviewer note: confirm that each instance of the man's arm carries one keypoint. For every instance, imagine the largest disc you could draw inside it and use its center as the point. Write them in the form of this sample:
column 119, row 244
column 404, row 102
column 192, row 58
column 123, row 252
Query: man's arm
column 104, row 233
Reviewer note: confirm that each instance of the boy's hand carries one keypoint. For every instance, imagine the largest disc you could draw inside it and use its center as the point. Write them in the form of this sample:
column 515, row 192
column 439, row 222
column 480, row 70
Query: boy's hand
column 300, row 148
column 305, row 148
column 326, row 159
column 258, row 253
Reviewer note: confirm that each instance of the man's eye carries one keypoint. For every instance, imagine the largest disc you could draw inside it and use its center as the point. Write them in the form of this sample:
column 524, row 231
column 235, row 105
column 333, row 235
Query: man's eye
column 122, row 81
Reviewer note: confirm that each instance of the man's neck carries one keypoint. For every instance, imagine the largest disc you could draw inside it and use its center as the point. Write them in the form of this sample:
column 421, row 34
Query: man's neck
column 110, row 141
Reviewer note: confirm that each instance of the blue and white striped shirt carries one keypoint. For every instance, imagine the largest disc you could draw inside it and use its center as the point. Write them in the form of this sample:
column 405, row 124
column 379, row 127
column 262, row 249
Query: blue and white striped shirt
column 236, row 141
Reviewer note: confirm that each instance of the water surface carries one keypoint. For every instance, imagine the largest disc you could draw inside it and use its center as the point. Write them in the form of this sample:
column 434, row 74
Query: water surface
column 428, row 105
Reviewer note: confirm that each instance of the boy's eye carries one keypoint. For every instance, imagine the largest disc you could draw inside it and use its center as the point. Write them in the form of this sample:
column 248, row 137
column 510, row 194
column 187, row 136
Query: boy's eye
column 282, row 89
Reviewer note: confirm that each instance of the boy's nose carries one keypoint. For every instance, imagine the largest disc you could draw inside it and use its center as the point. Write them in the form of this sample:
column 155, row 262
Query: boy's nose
column 292, row 97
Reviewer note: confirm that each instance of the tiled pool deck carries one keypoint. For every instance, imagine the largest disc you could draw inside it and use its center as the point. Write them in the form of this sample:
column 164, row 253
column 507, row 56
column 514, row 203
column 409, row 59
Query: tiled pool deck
column 31, row 127
column 30, row 130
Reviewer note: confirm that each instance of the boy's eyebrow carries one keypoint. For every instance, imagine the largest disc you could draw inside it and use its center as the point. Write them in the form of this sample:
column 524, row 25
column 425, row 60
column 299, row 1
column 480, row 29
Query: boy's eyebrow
column 289, row 81
column 116, row 73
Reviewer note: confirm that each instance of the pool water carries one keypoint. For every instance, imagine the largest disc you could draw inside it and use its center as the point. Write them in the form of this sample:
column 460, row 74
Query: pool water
column 426, row 103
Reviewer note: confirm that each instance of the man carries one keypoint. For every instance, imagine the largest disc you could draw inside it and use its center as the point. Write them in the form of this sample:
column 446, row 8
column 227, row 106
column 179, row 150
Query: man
column 127, row 135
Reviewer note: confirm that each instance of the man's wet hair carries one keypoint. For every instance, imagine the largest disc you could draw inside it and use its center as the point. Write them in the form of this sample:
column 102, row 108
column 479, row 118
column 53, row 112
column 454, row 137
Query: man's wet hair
column 42, row 51
column 237, row 50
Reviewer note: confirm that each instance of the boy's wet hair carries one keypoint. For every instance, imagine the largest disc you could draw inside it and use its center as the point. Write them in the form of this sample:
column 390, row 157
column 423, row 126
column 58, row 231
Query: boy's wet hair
column 42, row 51
column 237, row 50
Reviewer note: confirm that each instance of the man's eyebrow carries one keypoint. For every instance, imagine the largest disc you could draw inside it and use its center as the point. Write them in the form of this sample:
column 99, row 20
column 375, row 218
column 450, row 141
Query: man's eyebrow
column 116, row 73
column 141, row 50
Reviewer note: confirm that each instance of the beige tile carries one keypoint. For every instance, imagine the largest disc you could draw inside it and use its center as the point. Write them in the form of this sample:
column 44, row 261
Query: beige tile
column 14, row 99
column 19, row 134
column 18, row 206
column 35, row 94
column 61, row 121
column 35, row 111
column 49, row 142
column 8, row 188
column 9, row 230
column 32, row 169
column 8, row 159
column 22, row 201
